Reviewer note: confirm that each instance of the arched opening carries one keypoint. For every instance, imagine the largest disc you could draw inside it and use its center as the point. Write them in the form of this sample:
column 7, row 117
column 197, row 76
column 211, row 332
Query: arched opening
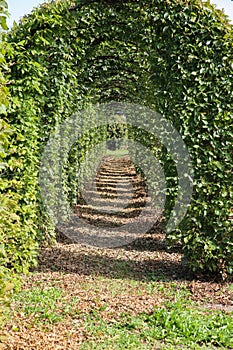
column 174, row 58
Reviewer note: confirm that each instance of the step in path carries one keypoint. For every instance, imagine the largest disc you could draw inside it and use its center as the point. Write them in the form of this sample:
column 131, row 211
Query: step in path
column 114, row 209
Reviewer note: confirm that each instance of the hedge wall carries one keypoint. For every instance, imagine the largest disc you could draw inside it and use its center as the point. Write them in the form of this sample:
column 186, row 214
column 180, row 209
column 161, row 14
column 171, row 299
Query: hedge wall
column 9, row 221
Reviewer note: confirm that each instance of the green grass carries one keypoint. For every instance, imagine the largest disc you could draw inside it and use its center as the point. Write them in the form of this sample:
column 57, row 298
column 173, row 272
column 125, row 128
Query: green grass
column 230, row 287
column 114, row 287
column 173, row 326
column 178, row 323
column 118, row 153
column 44, row 305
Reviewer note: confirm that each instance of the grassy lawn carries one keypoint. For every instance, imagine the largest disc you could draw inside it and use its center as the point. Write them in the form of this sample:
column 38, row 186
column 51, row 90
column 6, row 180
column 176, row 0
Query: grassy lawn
column 175, row 322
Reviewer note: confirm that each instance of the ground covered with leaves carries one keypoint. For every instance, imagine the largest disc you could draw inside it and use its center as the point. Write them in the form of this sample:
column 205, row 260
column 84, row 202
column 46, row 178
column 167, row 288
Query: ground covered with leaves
column 137, row 296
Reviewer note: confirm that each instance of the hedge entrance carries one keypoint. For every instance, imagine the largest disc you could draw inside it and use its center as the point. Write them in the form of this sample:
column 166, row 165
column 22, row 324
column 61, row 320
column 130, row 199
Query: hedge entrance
column 174, row 57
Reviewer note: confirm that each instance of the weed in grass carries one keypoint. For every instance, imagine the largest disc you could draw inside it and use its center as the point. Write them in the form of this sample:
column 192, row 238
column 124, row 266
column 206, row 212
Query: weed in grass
column 174, row 326
column 230, row 287
column 122, row 269
column 188, row 324
column 153, row 277
column 41, row 304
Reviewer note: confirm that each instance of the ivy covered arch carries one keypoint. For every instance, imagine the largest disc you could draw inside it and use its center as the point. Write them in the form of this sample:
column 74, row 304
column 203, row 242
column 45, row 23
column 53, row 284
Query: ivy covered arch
column 172, row 56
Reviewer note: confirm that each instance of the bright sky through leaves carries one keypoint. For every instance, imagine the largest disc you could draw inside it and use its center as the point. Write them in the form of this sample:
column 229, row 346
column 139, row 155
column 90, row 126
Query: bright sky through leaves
column 20, row 8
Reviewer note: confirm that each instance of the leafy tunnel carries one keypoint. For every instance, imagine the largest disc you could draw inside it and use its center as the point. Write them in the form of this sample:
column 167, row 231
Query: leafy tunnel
column 173, row 57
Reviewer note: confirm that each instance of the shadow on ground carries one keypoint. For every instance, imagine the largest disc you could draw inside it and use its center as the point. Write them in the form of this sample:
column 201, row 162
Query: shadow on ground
column 146, row 259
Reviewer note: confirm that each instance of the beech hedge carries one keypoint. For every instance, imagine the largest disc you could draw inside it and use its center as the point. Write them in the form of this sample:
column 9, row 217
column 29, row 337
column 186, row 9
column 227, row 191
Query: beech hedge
column 175, row 57
column 9, row 221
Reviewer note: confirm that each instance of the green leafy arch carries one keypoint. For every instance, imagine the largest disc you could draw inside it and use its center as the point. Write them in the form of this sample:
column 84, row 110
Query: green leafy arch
column 173, row 56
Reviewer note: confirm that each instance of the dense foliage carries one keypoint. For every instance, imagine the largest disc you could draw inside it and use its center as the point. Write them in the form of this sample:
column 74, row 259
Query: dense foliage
column 9, row 223
column 172, row 56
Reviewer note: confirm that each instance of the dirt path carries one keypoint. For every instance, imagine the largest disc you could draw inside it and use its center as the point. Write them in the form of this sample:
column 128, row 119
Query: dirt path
column 114, row 209
column 101, row 280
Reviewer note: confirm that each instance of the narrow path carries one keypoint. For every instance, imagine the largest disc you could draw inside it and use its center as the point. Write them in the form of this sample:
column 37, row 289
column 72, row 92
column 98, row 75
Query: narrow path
column 114, row 209
column 117, row 195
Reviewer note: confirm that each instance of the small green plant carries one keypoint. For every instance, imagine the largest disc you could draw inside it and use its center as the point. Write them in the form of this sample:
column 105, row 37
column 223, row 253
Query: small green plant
column 230, row 287
column 45, row 305
column 41, row 304
column 184, row 324
column 175, row 325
